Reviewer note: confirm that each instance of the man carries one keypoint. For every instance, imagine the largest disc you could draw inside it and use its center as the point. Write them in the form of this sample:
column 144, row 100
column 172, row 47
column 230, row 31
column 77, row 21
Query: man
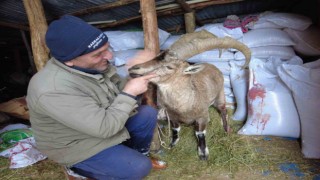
column 82, row 114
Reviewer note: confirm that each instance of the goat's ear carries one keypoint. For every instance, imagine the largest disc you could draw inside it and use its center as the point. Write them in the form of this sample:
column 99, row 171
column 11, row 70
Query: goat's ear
column 161, row 55
column 192, row 69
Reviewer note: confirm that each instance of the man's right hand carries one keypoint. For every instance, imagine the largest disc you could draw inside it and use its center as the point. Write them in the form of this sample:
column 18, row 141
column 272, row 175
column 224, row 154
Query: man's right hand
column 137, row 86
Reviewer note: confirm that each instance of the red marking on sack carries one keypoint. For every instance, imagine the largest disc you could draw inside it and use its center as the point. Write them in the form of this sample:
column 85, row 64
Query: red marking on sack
column 264, row 120
column 259, row 119
column 257, row 91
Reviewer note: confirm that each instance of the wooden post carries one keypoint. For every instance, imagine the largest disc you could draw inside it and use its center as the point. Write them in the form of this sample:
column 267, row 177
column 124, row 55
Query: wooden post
column 38, row 28
column 150, row 25
column 151, row 43
column 189, row 19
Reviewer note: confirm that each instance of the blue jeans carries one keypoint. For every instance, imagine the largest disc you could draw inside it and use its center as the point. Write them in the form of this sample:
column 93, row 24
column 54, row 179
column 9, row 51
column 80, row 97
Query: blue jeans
column 126, row 160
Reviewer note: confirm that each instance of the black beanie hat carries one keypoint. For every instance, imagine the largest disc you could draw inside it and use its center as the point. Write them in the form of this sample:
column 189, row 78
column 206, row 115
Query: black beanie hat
column 70, row 37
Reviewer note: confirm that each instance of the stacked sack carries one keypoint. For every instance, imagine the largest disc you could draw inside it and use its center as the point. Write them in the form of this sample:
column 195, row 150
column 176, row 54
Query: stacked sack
column 270, row 46
column 283, row 93
column 266, row 38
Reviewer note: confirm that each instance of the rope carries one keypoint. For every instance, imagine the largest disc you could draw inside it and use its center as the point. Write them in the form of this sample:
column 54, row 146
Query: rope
column 163, row 143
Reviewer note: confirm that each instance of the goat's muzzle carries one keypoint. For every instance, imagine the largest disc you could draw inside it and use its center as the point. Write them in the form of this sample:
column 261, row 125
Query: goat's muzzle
column 132, row 73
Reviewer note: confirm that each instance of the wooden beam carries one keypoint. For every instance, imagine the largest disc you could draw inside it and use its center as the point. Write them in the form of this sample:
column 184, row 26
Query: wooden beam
column 120, row 22
column 103, row 7
column 29, row 51
column 38, row 29
column 150, row 25
column 189, row 21
column 197, row 3
column 151, row 43
column 14, row 25
column 176, row 10
column 185, row 6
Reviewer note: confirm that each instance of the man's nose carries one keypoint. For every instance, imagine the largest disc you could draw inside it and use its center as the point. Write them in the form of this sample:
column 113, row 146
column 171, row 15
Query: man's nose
column 107, row 54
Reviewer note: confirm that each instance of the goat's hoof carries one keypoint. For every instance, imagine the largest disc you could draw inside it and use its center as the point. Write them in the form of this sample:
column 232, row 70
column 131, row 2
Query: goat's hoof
column 228, row 129
column 203, row 157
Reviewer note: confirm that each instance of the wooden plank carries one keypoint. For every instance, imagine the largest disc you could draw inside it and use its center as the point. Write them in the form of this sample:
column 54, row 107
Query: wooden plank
column 38, row 29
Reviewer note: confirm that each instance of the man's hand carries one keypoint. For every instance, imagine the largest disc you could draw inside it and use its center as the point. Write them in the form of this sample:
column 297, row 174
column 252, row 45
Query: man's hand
column 138, row 85
column 140, row 57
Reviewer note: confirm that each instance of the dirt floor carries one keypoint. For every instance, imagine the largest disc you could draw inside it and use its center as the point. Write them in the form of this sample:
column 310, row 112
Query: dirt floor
column 232, row 156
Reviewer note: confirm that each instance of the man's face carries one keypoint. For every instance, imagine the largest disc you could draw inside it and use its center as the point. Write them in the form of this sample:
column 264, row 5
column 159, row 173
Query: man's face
column 96, row 60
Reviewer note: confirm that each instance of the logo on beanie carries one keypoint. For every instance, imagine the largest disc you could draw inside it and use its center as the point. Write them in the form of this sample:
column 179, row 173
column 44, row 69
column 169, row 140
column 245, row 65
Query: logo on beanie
column 95, row 43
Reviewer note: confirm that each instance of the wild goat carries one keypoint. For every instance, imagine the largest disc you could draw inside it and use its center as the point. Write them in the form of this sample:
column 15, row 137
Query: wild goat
column 186, row 91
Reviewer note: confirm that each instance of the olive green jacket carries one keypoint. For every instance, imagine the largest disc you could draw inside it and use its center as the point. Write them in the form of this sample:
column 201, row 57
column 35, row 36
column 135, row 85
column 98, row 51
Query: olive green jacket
column 75, row 115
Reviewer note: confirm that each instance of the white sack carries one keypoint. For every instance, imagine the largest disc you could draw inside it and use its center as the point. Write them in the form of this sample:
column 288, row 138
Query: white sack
column 121, row 57
column 124, row 40
column 230, row 100
column 228, row 91
column 307, row 41
column 264, row 52
column 210, row 56
column 220, row 31
column 172, row 39
column 267, row 37
column 304, row 81
column 263, row 24
column 287, row 20
column 227, row 82
column 223, row 66
column 122, row 71
column 239, row 78
column 271, row 109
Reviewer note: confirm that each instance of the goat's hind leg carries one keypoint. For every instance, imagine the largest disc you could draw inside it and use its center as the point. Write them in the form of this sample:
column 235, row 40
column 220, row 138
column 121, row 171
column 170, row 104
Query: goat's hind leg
column 200, row 130
column 220, row 104
column 175, row 134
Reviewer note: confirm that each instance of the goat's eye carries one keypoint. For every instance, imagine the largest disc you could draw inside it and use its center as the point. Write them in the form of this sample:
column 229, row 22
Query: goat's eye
column 169, row 67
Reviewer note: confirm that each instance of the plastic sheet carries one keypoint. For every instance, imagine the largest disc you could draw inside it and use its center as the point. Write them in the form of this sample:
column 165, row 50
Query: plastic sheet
column 23, row 154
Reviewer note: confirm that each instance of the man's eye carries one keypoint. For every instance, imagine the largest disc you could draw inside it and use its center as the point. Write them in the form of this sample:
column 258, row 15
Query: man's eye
column 97, row 55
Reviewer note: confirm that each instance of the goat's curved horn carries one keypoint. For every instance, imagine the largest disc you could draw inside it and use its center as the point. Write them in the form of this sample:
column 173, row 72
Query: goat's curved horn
column 186, row 38
column 198, row 45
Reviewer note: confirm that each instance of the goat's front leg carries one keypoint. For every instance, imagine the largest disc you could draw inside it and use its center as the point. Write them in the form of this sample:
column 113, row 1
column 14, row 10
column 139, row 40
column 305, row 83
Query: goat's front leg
column 200, row 130
column 175, row 133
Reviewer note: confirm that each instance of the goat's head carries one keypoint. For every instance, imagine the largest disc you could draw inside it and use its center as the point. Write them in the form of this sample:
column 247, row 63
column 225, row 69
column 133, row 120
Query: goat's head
column 160, row 65
column 171, row 63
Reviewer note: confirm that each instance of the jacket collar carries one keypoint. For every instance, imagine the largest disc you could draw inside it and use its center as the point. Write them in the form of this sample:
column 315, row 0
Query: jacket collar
column 82, row 73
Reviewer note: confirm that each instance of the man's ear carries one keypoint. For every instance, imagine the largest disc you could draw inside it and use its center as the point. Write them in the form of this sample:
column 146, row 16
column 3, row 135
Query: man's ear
column 192, row 69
